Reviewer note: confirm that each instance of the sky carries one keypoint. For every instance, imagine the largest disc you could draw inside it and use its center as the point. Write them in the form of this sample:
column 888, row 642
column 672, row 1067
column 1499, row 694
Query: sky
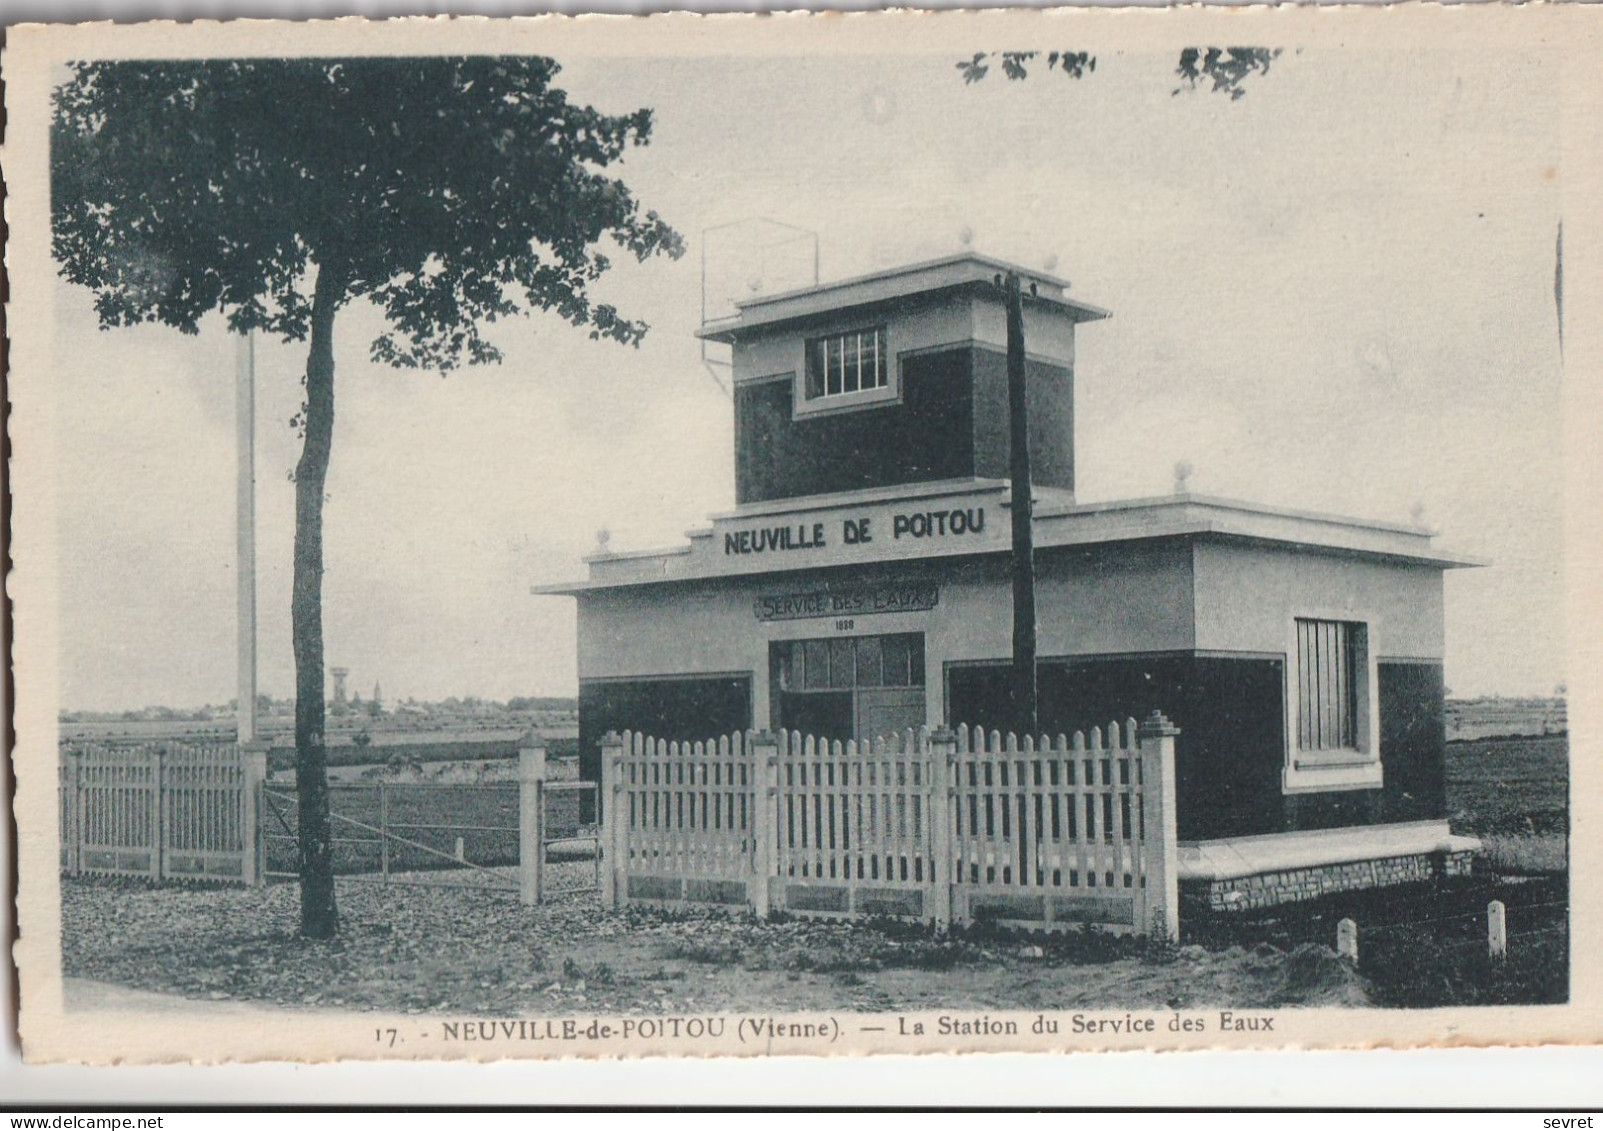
column 1335, row 293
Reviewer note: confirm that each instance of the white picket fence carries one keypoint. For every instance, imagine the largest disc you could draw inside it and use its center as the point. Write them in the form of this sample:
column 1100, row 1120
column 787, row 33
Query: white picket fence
column 162, row 812
column 945, row 826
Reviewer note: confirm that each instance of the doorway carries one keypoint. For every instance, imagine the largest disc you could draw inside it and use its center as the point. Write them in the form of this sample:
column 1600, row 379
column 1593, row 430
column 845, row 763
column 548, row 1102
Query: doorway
column 848, row 687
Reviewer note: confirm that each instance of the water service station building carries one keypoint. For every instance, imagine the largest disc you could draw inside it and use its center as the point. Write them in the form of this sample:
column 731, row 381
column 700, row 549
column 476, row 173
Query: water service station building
column 862, row 585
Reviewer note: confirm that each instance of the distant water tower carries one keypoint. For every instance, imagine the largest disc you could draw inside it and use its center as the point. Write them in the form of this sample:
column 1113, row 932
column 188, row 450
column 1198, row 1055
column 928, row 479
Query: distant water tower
column 339, row 675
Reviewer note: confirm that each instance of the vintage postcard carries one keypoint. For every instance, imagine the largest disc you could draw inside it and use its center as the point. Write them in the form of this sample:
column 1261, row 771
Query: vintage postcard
column 808, row 535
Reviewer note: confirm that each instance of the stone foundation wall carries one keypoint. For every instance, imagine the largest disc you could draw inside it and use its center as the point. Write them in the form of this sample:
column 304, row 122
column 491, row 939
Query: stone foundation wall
column 1293, row 885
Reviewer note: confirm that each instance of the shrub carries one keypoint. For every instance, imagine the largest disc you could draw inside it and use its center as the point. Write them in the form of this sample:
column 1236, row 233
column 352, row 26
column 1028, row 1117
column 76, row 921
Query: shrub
column 1523, row 854
column 1157, row 948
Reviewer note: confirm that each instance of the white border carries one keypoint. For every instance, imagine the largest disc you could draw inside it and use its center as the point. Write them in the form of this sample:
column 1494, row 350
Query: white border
column 1460, row 1077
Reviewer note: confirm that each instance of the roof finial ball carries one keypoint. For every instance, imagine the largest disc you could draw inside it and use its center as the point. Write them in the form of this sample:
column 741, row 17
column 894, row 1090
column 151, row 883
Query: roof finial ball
column 603, row 540
column 1417, row 513
column 1182, row 473
column 965, row 236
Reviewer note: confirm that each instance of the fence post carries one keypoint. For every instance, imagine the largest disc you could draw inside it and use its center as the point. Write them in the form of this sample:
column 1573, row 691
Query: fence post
column 942, row 749
column 1155, row 737
column 383, row 833
column 614, row 824
column 1496, row 931
column 1347, row 940
column 158, row 816
column 531, row 822
column 764, row 791
column 253, row 776
column 72, row 830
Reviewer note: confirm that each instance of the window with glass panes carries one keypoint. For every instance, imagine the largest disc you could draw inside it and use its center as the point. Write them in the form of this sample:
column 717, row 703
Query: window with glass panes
column 852, row 362
column 851, row 662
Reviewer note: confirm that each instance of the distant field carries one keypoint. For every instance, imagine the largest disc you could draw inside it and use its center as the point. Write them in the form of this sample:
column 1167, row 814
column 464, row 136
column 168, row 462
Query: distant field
column 412, row 746
column 1509, row 785
column 439, row 748
column 275, row 729
column 149, row 730
column 1501, row 717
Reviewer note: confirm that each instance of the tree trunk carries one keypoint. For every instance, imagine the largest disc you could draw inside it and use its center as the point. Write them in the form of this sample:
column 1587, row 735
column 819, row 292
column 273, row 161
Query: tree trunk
column 319, row 916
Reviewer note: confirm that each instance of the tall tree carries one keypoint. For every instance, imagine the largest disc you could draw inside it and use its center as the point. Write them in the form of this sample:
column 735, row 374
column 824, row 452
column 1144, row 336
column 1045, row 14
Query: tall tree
column 448, row 192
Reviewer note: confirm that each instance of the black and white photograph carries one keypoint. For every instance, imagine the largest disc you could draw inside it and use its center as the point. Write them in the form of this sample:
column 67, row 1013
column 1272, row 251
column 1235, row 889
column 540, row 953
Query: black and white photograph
column 726, row 537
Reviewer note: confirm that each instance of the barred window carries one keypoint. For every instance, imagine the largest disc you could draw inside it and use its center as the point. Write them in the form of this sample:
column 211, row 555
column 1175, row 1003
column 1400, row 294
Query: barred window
column 852, row 362
column 1327, row 684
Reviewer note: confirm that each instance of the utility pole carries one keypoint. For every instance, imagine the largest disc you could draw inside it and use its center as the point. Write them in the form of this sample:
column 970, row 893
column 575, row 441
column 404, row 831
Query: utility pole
column 1024, row 700
column 245, row 546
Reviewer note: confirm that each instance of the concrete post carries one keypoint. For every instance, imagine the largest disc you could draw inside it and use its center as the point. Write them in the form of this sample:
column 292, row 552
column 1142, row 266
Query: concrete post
column 158, row 815
column 383, row 833
column 764, row 750
column 531, row 824
column 1155, row 737
column 614, row 845
column 72, row 820
column 253, row 778
column 942, row 751
column 1496, row 931
column 1347, row 940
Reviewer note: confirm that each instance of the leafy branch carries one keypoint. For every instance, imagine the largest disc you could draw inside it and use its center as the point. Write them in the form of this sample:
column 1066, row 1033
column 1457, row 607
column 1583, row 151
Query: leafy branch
column 1227, row 68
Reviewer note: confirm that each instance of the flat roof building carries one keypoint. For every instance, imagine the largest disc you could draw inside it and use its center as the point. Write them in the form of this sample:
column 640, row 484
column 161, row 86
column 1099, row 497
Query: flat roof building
column 861, row 584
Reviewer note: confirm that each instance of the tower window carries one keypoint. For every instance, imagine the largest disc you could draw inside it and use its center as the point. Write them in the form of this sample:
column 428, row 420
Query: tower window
column 852, row 362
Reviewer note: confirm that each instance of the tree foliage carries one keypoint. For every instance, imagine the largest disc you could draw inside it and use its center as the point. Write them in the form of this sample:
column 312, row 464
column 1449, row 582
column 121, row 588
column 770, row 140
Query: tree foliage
column 1225, row 67
column 1016, row 64
column 451, row 192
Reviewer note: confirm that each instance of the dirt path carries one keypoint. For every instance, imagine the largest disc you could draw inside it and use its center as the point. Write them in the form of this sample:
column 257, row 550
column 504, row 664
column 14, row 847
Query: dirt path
column 87, row 995
column 426, row 950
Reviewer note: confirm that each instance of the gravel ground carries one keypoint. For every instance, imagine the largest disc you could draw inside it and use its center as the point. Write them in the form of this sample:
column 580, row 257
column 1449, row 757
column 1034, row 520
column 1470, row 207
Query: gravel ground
column 442, row 949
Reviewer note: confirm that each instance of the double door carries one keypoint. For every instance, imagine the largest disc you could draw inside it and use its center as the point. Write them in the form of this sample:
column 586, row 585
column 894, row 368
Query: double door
column 849, row 687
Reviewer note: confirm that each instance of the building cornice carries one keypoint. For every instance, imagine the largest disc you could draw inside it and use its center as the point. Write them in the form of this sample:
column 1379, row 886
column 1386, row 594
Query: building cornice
column 972, row 517
column 969, row 271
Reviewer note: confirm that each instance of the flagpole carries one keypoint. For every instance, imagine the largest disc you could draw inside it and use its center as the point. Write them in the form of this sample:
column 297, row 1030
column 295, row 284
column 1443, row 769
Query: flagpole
column 245, row 490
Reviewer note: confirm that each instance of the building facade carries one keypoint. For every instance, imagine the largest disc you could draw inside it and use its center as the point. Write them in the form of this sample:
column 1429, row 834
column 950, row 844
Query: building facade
column 862, row 585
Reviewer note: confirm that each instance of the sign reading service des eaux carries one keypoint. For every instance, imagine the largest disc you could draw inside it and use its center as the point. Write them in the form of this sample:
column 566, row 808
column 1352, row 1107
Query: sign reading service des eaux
column 912, row 597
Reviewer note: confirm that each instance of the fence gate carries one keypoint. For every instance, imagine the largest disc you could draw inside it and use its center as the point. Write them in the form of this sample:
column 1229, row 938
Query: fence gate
column 679, row 821
column 433, row 834
column 853, row 827
column 531, row 836
column 949, row 827
column 1062, row 831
